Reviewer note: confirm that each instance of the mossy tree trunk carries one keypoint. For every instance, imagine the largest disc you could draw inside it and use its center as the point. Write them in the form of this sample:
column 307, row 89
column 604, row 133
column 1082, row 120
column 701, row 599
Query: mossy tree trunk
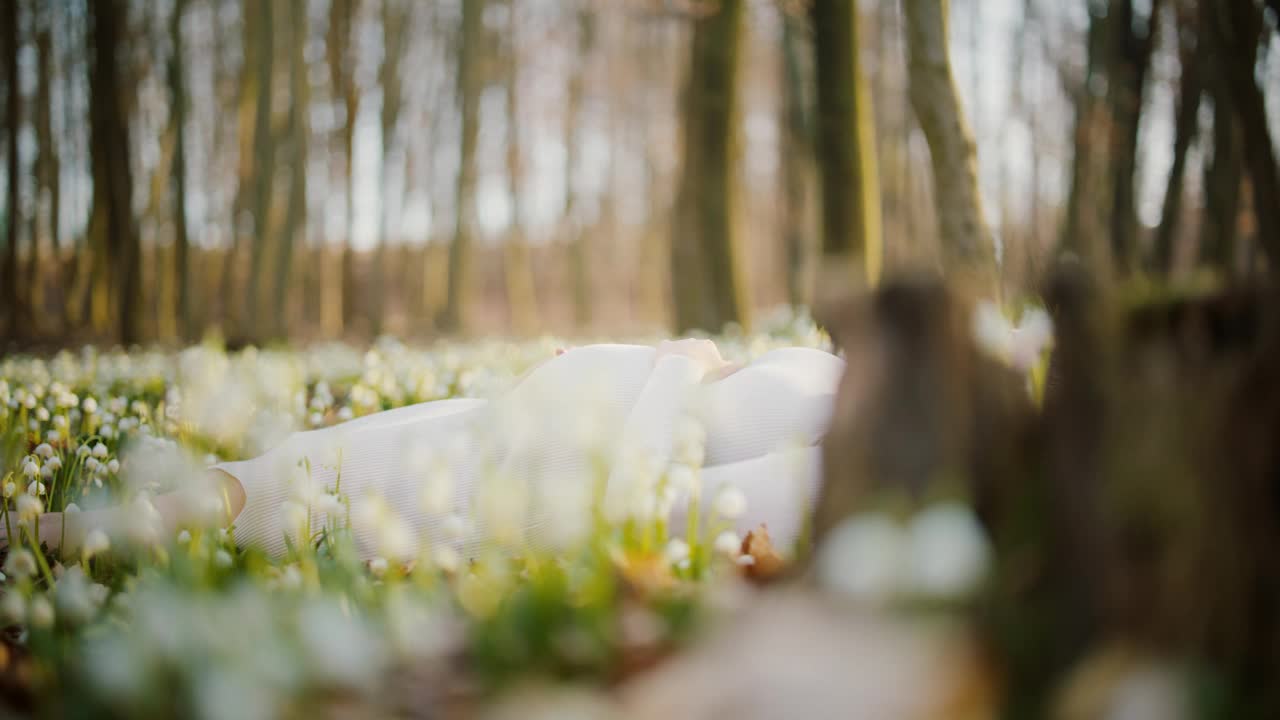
column 848, row 172
column 966, row 240
column 706, row 273
column 470, row 85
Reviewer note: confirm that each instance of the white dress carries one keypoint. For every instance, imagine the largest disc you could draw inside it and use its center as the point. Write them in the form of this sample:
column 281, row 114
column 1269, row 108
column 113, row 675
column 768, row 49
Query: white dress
column 525, row 468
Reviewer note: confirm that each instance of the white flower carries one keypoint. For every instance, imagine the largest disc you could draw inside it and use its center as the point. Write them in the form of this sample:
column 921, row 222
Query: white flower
column 455, row 527
column 54, row 462
column 947, row 550
column 74, row 599
column 378, row 566
column 677, row 551
column 184, row 537
column 44, row 450
column 30, row 469
column 222, row 559
column 29, row 507
column 70, row 508
column 294, row 517
column 682, row 478
column 13, row 608
column 329, row 504
column 113, row 466
column 91, row 464
column 728, row 543
column 95, row 543
column 90, row 406
column 108, row 431
column 447, row 559
column 100, row 451
column 345, row 414
column 730, row 503
column 9, row 489
column 83, row 451
column 42, row 414
column 20, row 564
column 863, row 558
column 41, row 612
column 46, row 472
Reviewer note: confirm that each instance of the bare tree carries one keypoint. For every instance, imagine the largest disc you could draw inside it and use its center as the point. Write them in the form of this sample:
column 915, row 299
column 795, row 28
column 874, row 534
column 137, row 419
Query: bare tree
column 470, row 84
column 796, row 154
column 706, row 274
column 178, row 198
column 966, row 240
column 395, row 31
column 263, row 174
column 578, row 241
column 1190, row 88
column 9, row 273
column 112, row 176
column 295, row 218
column 47, row 163
column 522, row 298
column 846, row 149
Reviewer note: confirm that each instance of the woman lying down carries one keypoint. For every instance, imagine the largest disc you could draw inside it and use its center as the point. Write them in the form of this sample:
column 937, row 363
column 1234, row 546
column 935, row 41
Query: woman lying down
column 643, row 428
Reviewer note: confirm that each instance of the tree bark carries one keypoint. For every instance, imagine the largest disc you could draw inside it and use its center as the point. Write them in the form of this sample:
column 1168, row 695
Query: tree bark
column 707, row 280
column 1237, row 26
column 395, row 17
column 1190, row 89
column 579, row 240
column 1222, row 175
column 470, row 85
column 113, row 177
column 1126, row 84
column 966, row 240
column 47, row 164
column 796, row 158
column 1081, row 229
column 522, row 298
column 9, row 271
column 178, row 198
column 295, row 219
column 848, row 173
column 264, row 153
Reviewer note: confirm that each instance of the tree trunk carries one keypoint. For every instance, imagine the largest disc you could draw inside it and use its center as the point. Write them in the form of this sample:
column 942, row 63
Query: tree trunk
column 395, row 18
column 522, row 298
column 796, row 158
column 1126, row 83
column 1237, row 26
column 113, row 179
column 263, row 167
column 1190, row 88
column 178, row 198
column 966, row 240
column 578, row 240
column 470, row 85
column 246, row 126
column 295, row 218
column 1081, row 229
column 47, row 164
column 342, row 28
column 848, row 172
column 9, row 271
column 1222, row 175
column 706, row 273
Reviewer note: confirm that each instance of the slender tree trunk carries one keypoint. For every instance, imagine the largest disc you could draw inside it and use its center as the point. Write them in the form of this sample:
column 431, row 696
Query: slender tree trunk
column 113, row 179
column 966, row 240
column 579, row 241
column 263, row 167
column 47, row 164
column 470, row 84
column 1223, row 172
column 246, row 127
column 706, row 274
column 796, row 150
column 395, row 17
column 13, row 300
column 1237, row 26
column 342, row 28
column 1190, row 89
column 178, row 196
column 295, row 219
column 848, row 172
column 1081, row 230
column 1126, row 84
column 522, row 298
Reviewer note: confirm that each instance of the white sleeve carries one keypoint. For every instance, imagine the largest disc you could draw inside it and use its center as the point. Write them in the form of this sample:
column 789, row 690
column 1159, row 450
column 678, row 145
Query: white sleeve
column 650, row 425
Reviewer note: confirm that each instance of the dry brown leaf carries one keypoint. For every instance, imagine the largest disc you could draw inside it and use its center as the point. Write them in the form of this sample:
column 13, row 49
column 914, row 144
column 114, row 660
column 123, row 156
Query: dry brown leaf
column 765, row 563
column 645, row 574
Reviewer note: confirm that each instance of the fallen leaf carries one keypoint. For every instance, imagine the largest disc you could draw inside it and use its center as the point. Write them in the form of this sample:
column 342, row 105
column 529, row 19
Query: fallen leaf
column 765, row 564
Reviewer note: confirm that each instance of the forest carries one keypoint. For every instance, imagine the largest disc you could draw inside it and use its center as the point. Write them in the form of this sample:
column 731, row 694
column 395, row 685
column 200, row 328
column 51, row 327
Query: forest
column 959, row 329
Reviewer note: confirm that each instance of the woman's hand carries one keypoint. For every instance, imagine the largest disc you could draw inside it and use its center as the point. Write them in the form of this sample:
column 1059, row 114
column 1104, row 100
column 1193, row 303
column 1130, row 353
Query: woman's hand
column 703, row 352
